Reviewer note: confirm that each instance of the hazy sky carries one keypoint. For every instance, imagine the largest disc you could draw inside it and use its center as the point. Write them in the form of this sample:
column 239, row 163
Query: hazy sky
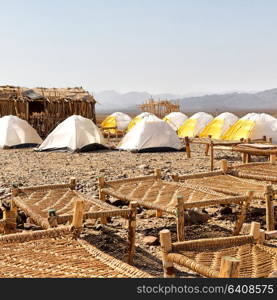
column 178, row 46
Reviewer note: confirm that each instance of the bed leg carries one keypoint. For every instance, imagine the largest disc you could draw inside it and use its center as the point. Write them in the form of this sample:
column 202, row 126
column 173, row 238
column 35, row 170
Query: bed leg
column 166, row 246
column 243, row 211
column 180, row 212
column 229, row 267
column 132, row 231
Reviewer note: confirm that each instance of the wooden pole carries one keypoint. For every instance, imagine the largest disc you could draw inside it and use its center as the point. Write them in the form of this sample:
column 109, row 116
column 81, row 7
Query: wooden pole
column 158, row 174
column 166, row 247
column 243, row 211
column 243, row 156
column 229, row 267
column 175, row 177
column 270, row 140
column 255, row 230
column 187, row 147
column 272, row 158
column 224, row 165
column 132, row 231
column 72, row 183
column 78, row 213
column 180, row 212
column 212, row 155
column 207, row 146
column 270, row 223
column 102, row 196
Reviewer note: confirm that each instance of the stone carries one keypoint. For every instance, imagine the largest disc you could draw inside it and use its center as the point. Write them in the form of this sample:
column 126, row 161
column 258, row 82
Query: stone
column 194, row 216
column 116, row 202
column 150, row 240
column 226, row 210
column 30, row 226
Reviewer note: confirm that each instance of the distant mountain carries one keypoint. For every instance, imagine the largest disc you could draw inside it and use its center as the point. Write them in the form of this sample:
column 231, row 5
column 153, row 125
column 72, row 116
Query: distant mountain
column 240, row 102
column 109, row 101
column 265, row 101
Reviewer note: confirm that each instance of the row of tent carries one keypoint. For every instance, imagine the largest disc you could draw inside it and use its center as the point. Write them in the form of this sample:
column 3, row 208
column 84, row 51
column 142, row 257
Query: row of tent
column 144, row 132
column 225, row 126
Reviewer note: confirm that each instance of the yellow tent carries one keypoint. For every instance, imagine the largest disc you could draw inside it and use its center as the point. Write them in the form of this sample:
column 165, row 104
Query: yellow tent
column 194, row 125
column 117, row 120
column 219, row 125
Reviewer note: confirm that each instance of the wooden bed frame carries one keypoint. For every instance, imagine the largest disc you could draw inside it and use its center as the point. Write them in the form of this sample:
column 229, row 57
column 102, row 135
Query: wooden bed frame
column 173, row 198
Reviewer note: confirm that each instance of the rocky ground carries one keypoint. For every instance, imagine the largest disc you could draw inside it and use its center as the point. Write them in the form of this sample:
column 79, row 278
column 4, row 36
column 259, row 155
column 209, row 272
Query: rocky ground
column 28, row 168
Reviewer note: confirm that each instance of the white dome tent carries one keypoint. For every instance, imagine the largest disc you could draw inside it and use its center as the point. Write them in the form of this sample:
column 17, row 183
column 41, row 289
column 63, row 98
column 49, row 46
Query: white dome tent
column 175, row 119
column 150, row 134
column 17, row 133
column 194, row 125
column 76, row 133
column 219, row 125
column 138, row 118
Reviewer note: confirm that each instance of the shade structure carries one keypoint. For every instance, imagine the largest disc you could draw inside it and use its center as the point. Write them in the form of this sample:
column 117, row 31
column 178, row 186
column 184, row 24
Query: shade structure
column 76, row 133
column 137, row 119
column 151, row 133
column 118, row 120
column 15, row 132
column 219, row 125
column 252, row 125
column 194, row 125
column 175, row 119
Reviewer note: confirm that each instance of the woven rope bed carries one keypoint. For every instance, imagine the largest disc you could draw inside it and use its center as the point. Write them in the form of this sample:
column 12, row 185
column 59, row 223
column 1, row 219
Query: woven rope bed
column 55, row 253
column 154, row 193
column 37, row 201
column 240, row 256
column 238, row 180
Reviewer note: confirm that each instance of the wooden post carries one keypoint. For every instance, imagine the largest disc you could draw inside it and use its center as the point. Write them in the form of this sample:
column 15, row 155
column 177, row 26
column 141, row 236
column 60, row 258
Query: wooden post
column 270, row 223
column 262, row 236
column 243, row 157
column 187, row 147
column 272, row 158
column 264, row 138
column 158, row 175
column 270, row 140
column 212, row 155
column 224, row 165
column 255, row 230
column 180, row 218
column 78, row 213
column 166, row 247
column 247, row 158
column 27, row 111
column 229, row 267
column 207, row 146
column 175, row 177
column 52, row 218
column 132, row 231
column 72, row 183
column 243, row 211
column 102, row 196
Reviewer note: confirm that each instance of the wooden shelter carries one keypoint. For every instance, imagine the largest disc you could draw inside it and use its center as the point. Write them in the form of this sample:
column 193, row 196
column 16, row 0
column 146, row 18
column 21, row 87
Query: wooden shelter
column 45, row 108
column 160, row 108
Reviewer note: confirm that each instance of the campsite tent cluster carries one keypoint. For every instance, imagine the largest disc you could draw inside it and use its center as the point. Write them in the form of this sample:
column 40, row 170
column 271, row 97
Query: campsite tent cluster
column 144, row 132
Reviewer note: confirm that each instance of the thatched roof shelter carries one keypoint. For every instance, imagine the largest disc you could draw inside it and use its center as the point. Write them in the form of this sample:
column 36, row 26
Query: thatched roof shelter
column 44, row 108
